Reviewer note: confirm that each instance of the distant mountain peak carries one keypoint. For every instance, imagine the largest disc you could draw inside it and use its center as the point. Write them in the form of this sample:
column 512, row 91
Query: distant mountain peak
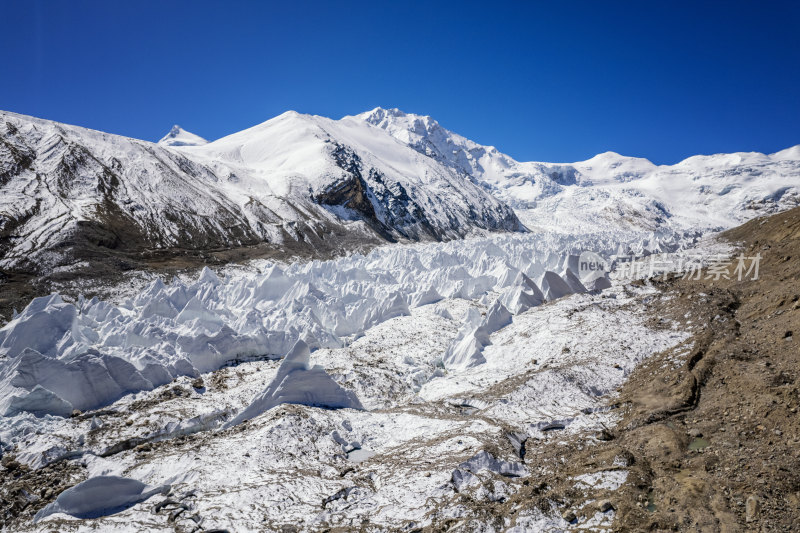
column 383, row 117
column 178, row 136
column 383, row 112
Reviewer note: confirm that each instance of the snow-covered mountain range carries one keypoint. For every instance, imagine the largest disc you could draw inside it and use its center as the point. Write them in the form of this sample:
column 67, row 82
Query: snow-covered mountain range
column 72, row 197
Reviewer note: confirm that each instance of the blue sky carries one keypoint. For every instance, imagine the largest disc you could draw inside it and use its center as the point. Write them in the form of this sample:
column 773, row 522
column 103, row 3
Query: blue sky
column 548, row 81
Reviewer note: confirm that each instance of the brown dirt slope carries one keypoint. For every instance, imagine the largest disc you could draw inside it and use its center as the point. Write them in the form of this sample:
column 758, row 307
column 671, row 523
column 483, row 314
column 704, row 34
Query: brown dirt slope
column 713, row 434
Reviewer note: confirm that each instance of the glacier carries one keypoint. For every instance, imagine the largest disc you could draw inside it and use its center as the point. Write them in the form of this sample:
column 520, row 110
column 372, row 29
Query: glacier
column 96, row 351
column 429, row 436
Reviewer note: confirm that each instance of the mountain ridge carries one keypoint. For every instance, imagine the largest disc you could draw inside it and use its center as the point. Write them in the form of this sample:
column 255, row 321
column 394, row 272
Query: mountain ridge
column 792, row 152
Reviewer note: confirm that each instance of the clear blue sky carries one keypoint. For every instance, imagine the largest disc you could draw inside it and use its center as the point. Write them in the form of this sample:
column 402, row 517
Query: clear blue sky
column 548, row 81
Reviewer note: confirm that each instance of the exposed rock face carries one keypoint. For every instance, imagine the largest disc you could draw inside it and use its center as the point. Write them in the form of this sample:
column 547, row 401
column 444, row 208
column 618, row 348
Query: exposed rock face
column 389, row 209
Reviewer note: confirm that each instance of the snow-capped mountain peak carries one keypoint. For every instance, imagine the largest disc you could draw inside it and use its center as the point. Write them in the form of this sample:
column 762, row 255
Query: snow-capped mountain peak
column 421, row 132
column 381, row 117
column 610, row 167
column 178, row 136
column 428, row 137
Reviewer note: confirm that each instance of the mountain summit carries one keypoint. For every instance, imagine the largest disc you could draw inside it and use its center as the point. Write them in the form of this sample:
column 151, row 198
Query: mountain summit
column 178, row 136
